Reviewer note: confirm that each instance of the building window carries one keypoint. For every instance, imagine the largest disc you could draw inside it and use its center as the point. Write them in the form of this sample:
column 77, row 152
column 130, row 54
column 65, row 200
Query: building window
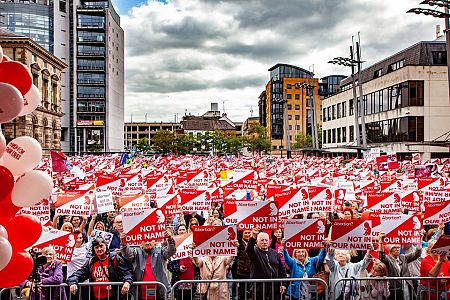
column 395, row 66
column 324, row 113
column 329, row 136
column 289, row 117
column 297, row 127
column 344, row 109
column 344, row 134
column 289, row 96
column 334, row 135
column 350, row 105
column 377, row 73
column 289, row 106
column 62, row 6
column 338, row 135
column 338, row 110
column 333, row 112
column 439, row 57
column 290, row 127
column 329, row 113
column 351, row 133
column 297, row 117
column 297, row 107
column 297, row 96
column 289, row 86
column 416, row 93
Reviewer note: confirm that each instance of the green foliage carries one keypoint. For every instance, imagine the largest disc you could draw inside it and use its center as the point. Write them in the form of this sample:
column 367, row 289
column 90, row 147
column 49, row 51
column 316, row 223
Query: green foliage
column 143, row 145
column 257, row 140
column 164, row 141
column 303, row 141
column 184, row 144
column 234, row 145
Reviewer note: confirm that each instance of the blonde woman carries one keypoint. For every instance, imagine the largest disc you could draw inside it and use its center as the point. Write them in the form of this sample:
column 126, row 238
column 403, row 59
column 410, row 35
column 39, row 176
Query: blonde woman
column 379, row 289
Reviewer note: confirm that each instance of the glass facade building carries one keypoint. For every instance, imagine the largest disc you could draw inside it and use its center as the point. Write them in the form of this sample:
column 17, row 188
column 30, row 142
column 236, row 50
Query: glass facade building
column 33, row 19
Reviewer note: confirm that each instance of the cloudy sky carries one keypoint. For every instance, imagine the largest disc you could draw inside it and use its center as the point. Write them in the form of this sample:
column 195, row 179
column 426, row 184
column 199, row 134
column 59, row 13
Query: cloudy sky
column 181, row 55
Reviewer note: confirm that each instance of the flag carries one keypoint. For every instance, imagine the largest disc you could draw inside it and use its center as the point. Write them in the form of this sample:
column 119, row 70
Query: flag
column 123, row 158
column 59, row 162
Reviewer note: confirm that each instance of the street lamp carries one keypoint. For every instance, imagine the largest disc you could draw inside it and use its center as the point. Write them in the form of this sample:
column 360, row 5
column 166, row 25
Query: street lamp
column 438, row 14
column 351, row 62
column 314, row 133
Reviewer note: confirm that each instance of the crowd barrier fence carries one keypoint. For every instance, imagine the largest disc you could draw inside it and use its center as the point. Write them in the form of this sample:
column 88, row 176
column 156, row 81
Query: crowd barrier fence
column 421, row 288
column 392, row 288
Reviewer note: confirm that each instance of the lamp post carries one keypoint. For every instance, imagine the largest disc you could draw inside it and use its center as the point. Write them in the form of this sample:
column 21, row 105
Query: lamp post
column 314, row 133
column 438, row 14
column 351, row 62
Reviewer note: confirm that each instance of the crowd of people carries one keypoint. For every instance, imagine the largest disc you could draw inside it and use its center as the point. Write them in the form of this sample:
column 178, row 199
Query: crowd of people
column 260, row 255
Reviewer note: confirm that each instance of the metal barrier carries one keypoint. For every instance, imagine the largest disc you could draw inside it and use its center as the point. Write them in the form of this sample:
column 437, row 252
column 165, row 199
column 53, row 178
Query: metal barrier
column 86, row 291
column 396, row 288
column 246, row 289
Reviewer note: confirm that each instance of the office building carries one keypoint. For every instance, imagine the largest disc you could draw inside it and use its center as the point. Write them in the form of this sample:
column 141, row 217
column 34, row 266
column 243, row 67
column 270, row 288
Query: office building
column 136, row 131
column 44, row 123
column 87, row 36
column 405, row 105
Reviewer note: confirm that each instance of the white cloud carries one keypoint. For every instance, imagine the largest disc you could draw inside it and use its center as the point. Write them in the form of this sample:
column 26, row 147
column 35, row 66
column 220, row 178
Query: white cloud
column 185, row 54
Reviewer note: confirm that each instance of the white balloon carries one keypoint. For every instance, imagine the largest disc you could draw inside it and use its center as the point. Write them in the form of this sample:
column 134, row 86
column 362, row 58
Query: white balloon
column 3, row 232
column 1, row 54
column 6, row 251
column 22, row 155
column 31, row 188
column 2, row 143
column 11, row 102
column 31, row 100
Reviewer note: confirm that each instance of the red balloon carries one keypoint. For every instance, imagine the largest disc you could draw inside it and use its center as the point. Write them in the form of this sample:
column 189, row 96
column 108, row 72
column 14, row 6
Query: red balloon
column 5, row 58
column 23, row 231
column 7, row 180
column 19, row 268
column 16, row 74
column 8, row 210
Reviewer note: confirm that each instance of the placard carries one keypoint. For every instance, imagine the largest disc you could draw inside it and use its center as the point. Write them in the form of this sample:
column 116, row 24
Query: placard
column 384, row 202
column 104, row 202
column 144, row 225
column 401, row 229
column 63, row 243
column 437, row 212
column 304, row 233
column 74, row 203
column 320, row 199
column 441, row 246
column 183, row 243
column 351, row 234
column 293, row 201
column 250, row 214
column 214, row 240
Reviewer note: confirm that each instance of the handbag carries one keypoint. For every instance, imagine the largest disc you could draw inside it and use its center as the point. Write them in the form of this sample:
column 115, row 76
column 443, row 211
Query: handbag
column 320, row 286
column 322, row 275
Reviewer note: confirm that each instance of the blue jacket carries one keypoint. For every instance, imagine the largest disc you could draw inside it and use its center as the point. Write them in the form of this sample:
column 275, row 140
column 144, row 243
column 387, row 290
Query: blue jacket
column 297, row 270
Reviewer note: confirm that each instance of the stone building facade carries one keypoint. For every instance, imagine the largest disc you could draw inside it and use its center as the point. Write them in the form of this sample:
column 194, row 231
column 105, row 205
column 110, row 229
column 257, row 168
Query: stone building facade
column 44, row 123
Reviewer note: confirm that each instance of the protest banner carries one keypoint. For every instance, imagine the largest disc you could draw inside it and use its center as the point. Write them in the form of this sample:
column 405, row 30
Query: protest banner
column 430, row 184
column 40, row 211
column 401, row 229
column 391, row 185
column 104, row 202
column 384, row 202
column 441, row 246
column 349, row 188
column 183, row 243
column 136, row 202
column 106, row 236
column 194, row 200
column 214, row 240
column 320, row 199
column 392, row 161
column 272, row 189
column 62, row 241
column 168, row 204
column 351, row 234
column 304, row 233
column 156, row 181
column 376, row 223
column 293, row 201
column 243, row 178
column 113, row 183
column 199, row 179
column 411, row 200
column 143, row 225
column 437, row 212
column 435, row 196
column 134, row 184
column 76, row 203
column 249, row 214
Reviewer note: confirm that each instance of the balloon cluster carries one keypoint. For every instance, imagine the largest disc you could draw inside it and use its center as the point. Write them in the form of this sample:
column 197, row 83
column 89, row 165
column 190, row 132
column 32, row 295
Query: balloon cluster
column 20, row 185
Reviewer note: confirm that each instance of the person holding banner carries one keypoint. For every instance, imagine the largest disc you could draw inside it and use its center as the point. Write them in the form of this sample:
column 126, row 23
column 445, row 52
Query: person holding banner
column 213, row 268
column 340, row 267
column 150, row 264
column 397, row 265
column 301, row 266
column 265, row 264
column 434, row 265
column 103, row 267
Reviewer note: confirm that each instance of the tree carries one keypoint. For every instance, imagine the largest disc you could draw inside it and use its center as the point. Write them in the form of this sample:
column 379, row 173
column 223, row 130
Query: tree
column 218, row 140
column 143, row 145
column 164, row 141
column 303, row 141
column 184, row 144
column 257, row 139
column 234, row 145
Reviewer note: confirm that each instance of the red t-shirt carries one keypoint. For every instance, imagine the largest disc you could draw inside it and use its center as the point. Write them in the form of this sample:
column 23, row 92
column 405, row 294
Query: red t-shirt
column 148, row 292
column 100, row 274
column 189, row 274
column 427, row 264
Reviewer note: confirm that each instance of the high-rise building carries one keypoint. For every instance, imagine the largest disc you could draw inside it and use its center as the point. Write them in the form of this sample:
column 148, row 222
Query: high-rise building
column 298, row 89
column 87, row 36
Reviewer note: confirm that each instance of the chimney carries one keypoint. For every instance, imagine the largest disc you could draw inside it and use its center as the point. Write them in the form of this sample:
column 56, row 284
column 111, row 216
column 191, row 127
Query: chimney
column 438, row 31
column 214, row 106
